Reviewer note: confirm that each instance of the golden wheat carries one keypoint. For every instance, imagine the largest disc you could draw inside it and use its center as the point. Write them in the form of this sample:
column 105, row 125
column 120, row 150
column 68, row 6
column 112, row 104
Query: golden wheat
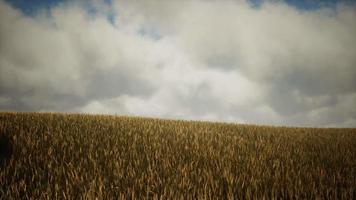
column 60, row 156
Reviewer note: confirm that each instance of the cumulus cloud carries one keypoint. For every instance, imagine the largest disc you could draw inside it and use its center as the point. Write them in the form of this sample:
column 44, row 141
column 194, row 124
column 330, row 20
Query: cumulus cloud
column 205, row 60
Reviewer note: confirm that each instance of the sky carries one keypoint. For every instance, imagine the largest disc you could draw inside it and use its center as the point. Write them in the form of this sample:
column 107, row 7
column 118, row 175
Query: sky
column 274, row 62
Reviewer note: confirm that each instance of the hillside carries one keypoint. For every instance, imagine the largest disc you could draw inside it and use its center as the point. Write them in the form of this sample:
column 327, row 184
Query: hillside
column 59, row 156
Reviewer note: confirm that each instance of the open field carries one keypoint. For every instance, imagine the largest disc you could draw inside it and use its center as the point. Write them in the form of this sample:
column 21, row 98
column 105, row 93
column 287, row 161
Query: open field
column 58, row 156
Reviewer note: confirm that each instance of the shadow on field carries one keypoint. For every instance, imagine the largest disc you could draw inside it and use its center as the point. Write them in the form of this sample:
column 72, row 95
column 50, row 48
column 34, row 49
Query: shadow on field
column 5, row 147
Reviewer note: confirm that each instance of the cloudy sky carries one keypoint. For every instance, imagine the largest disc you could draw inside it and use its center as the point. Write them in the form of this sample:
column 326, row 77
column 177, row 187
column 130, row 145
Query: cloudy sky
column 266, row 62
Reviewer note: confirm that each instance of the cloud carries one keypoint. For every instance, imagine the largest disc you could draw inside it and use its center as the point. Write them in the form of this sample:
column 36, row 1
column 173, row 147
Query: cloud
column 69, row 56
column 211, row 60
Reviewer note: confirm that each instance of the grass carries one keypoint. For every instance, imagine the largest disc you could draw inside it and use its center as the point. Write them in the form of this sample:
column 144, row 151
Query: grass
column 59, row 156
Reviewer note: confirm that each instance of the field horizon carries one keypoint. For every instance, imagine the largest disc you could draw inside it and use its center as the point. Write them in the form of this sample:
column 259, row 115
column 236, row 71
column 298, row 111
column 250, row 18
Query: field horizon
column 89, row 156
column 179, row 119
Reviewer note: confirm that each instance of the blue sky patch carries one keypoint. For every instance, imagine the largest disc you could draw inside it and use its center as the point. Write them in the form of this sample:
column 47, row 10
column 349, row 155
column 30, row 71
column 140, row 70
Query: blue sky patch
column 306, row 4
column 311, row 4
column 30, row 7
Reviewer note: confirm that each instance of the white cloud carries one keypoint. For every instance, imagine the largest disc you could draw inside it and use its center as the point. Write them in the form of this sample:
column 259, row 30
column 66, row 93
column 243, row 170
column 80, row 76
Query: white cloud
column 212, row 60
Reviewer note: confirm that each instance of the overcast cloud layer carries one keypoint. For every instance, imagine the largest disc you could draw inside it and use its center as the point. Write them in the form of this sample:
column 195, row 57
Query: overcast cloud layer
column 205, row 60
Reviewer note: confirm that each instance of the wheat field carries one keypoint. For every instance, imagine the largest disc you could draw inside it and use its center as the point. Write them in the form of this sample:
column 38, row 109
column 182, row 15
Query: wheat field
column 73, row 156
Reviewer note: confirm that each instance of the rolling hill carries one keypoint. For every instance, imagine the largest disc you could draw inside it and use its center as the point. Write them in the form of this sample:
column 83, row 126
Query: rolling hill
column 73, row 156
